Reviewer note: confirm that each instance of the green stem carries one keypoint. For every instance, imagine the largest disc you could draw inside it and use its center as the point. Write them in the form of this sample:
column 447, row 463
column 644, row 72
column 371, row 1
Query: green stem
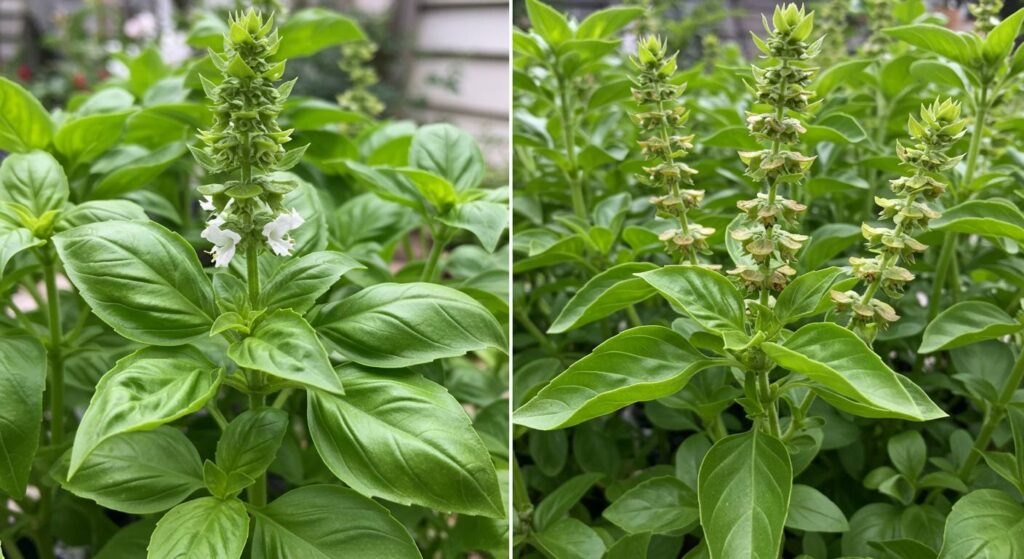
column 216, row 414
column 282, row 398
column 535, row 331
column 441, row 238
column 634, row 318
column 55, row 357
column 765, row 394
column 684, row 222
column 12, row 551
column 579, row 204
column 252, row 257
column 258, row 491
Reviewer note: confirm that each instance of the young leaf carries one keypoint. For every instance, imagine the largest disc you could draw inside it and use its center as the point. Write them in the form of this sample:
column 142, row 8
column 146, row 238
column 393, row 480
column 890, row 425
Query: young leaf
column 908, row 453
column 612, row 290
column 14, row 241
column 141, row 279
column 835, row 357
column 303, row 523
column 148, row 388
column 812, row 511
column 605, row 23
column 486, row 220
column 448, row 152
column 24, row 123
column 744, row 491
column 802, row 297
column 569, row 539
column 1000, row 40
column 556, row 505
column 398, row 325
column 308, row 31
column 139, row 472
column 201, row 529
column 22, row 381
column 661, row 505
column 706, row 296
column 299, row 282
column 637, row 365
column 548, row 23
column 367, row 439
column 984, row 523
column 965, row 323
column 250, row 443
column 284, row 345
column 34, row 180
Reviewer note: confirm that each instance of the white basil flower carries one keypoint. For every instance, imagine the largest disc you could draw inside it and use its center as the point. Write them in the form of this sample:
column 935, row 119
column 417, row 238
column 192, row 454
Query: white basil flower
column 276, row 232
column 207, row 204
column 224, row 241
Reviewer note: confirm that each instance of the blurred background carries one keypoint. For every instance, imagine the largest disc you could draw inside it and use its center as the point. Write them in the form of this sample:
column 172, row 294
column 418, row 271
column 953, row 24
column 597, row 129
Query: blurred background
column 436, row 60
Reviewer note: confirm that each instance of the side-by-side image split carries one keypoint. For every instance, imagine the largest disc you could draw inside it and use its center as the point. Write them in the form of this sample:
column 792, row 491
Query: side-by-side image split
column 531, row 279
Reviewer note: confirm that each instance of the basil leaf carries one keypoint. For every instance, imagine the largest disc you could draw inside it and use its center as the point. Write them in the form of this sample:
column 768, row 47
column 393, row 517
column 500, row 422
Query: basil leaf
column 304, row 523
column 802, row 297
column 35, row 180
column 22, row 382
column 992, row 218
column 150, row 387
column 299, row 282
column 24, row 123
column 398, row 325
column 283, row 344
column 448, row 152
column 367, row 439
column 250, row 442
column 612, row 290
column 811, row 511
column 201, row 529
column 486, row 220
column 706, row 296
column 140, row 472
column 835, row 357
column 100, row 210
column 313, row 29
column 661, row 505
column 569, row 539
column 966, row 323
column 82, row 139
column 556, row 504
column 637, row 365
column 984, row 523
column 14, row 241
column 744, row 489
column 141, row 279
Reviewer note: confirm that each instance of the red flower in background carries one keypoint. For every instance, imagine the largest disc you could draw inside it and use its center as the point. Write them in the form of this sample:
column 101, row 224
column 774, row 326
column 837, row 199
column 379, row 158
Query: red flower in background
column 24, row 72
column 79, row 80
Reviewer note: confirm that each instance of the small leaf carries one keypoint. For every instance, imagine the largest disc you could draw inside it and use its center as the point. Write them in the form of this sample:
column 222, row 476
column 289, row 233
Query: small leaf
column 486, row 220
column 24, row 123
column 569, row 539
column 908, row 453
column 250, row 442
column 812, row 511
column 802, row 297
column 299, row 282
column 201, row 529
column 612, row 290
column 448, row 152
column 556, row 504
column 661, row 505
column 548, row 23
column 35, row 180
column 706, row 296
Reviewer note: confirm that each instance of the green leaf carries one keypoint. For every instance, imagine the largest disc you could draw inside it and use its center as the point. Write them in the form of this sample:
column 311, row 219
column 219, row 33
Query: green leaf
column 662, row 505
column 936, row 72
column 368, row 440
column 314, row 114
column 308, row 31
column 138, row 172
column 836, row 358
column 284, row 345
column 630, row 546
column 448, row 152
column 812, row 511
column 706, row 296
column 556, row 505
column 34, row 180
column 24, row 123
column 837, row 128
column 299, row 282
column 435, row 189
column 303, row 524
column 83, row 139
column 991, row 218
column 569, row 539
column 826, row 242
column 399, row 325
column 744, row 490
column 908, row 453
column 637, row 365
column 612, row 290
column 965, row 323
column 802, row 297
column 14, row 241
column 250, row 443
column 1000, row 40
column 201, row 529
column 604, row 23
column 936, row 39
column 141, row 279
column 99, row 210
column 139, row 472
column 842, row 73
column 548, row 23
column 22, row 381
column 150, row 387
column 984, row 523
column 486, row 220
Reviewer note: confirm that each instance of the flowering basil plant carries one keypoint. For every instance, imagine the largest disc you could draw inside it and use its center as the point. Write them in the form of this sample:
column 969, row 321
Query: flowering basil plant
column 306, row 393
column 810, row 345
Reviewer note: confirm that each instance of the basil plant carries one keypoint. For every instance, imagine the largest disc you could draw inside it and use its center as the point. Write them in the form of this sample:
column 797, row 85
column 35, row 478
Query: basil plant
column 302, row 393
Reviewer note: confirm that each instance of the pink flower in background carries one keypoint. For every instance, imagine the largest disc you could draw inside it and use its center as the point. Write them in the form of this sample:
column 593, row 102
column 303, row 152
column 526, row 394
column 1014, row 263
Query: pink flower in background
column 140, row 26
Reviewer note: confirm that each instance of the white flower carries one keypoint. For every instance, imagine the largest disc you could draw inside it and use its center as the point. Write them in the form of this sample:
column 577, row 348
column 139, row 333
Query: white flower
column 276, row 232
column 224, row 241
column 173, row 48
column 141, row 26
column 207, row 204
